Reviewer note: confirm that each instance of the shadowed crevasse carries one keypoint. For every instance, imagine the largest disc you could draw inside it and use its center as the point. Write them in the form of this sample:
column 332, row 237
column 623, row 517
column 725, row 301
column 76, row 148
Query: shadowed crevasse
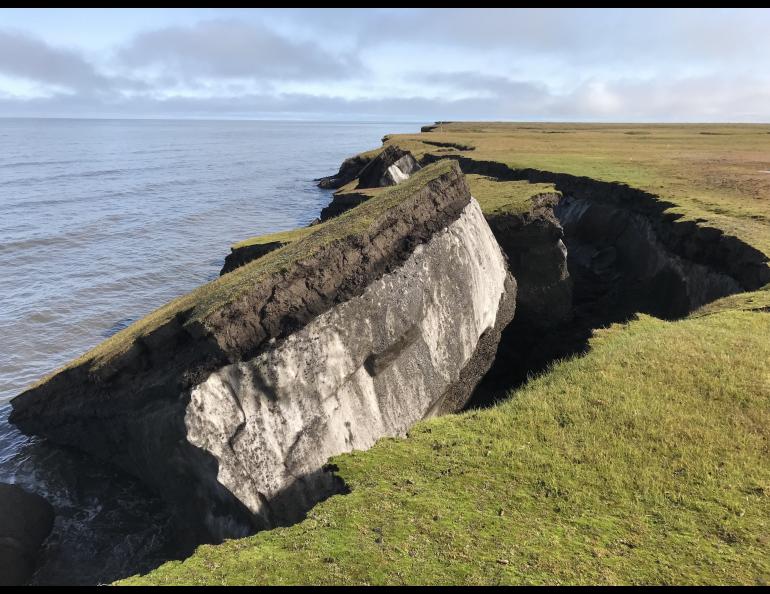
column 623, row 254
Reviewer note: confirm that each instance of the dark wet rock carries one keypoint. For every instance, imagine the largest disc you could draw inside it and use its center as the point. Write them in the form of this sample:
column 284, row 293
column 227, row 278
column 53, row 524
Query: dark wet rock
column 26, row 520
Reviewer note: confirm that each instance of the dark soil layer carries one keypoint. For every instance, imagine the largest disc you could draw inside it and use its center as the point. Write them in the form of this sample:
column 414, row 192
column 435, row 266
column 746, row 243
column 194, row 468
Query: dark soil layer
column 348, row 171
column 243, row 255
column 707, row 246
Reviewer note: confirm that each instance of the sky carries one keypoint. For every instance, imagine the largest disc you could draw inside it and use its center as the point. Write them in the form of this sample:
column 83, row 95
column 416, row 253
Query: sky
column 605, row 65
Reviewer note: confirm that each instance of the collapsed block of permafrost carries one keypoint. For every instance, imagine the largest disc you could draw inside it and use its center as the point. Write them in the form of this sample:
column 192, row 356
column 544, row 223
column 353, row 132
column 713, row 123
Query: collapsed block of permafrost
column 230, row 400
column 392, row 166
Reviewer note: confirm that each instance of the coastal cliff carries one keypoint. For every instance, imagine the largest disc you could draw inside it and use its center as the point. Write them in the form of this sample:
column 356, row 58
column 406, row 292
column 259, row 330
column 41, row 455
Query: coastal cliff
column 228, row 401
column 250, row 400
column 599, row 427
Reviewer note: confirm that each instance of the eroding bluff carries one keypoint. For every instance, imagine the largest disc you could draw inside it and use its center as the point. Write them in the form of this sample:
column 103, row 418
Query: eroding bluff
column 230, row 400
column 371, row 366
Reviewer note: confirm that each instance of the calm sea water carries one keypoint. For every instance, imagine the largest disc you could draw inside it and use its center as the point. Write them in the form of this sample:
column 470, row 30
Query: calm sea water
column 102, row 221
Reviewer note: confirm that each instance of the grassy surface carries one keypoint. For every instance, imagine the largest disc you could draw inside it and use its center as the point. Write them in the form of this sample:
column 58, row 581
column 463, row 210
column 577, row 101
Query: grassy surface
column 281, row 237
column 498, row 197
column 751, row 301
column 212, row 296
column 645, row 461
column 717, row 174
column 352, row 188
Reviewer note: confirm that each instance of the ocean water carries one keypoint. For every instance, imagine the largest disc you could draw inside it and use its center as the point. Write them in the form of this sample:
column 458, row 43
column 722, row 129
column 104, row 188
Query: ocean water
column 101, row 222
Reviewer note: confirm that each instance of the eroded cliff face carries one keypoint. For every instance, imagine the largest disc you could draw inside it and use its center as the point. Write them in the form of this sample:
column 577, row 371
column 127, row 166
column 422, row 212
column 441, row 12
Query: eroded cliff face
column 537, row 256
column 229, row 405
column 636, row 212
column 243, row 255
column 368, row 368
column 621, row 265
column 348, row 171
column 392, row 166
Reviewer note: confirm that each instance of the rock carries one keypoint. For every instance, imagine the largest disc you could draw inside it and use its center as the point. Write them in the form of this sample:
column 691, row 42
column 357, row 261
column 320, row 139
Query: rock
column 537, row 256
column 239, row 256
column 369, row 367
column 348, row 171
column 342, row 202
column 26, row 520
column 232, row 403
column 392, row 166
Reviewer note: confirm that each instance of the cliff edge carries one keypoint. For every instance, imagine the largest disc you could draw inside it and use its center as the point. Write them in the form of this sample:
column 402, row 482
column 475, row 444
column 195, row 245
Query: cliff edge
column 229, row 400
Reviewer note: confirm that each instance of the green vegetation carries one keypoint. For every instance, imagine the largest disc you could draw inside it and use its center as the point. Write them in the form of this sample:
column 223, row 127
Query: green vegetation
column 751, row 301
column 643, row 462
column 501, row 197
column 212, row 296
column 352, row 188
column 714, row 173
column 281, row 237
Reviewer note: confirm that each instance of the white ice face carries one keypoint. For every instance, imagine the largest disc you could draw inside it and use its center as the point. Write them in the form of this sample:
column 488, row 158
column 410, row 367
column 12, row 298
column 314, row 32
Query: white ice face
column 370, row 367
column 396, row 174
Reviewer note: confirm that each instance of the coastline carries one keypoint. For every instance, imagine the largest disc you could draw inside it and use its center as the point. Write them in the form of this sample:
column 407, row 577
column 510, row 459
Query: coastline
column 541, row 212
column 155, row 271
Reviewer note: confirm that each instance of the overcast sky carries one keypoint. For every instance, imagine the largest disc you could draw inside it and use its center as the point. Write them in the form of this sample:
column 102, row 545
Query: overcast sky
column 395, row 64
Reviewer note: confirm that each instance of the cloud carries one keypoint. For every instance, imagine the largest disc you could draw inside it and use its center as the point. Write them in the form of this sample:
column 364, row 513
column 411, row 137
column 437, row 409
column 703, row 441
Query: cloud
column 231, row 49
column 280, row 106
column 659, row 39
column 682, row 100
column 28, row 58
column 632, row 65
column 477, row 83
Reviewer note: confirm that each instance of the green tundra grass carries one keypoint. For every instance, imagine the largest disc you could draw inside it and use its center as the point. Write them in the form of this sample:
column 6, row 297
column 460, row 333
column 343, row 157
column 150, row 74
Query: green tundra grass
column 718, row 174
column 646, row 461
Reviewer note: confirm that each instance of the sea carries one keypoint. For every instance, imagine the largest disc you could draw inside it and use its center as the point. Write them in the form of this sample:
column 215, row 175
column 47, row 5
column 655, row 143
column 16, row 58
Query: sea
column 101, row 222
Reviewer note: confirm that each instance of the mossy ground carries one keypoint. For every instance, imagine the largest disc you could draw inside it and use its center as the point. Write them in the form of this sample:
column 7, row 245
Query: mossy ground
column 505, row 197
column 352, row 188
column 646, row 461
